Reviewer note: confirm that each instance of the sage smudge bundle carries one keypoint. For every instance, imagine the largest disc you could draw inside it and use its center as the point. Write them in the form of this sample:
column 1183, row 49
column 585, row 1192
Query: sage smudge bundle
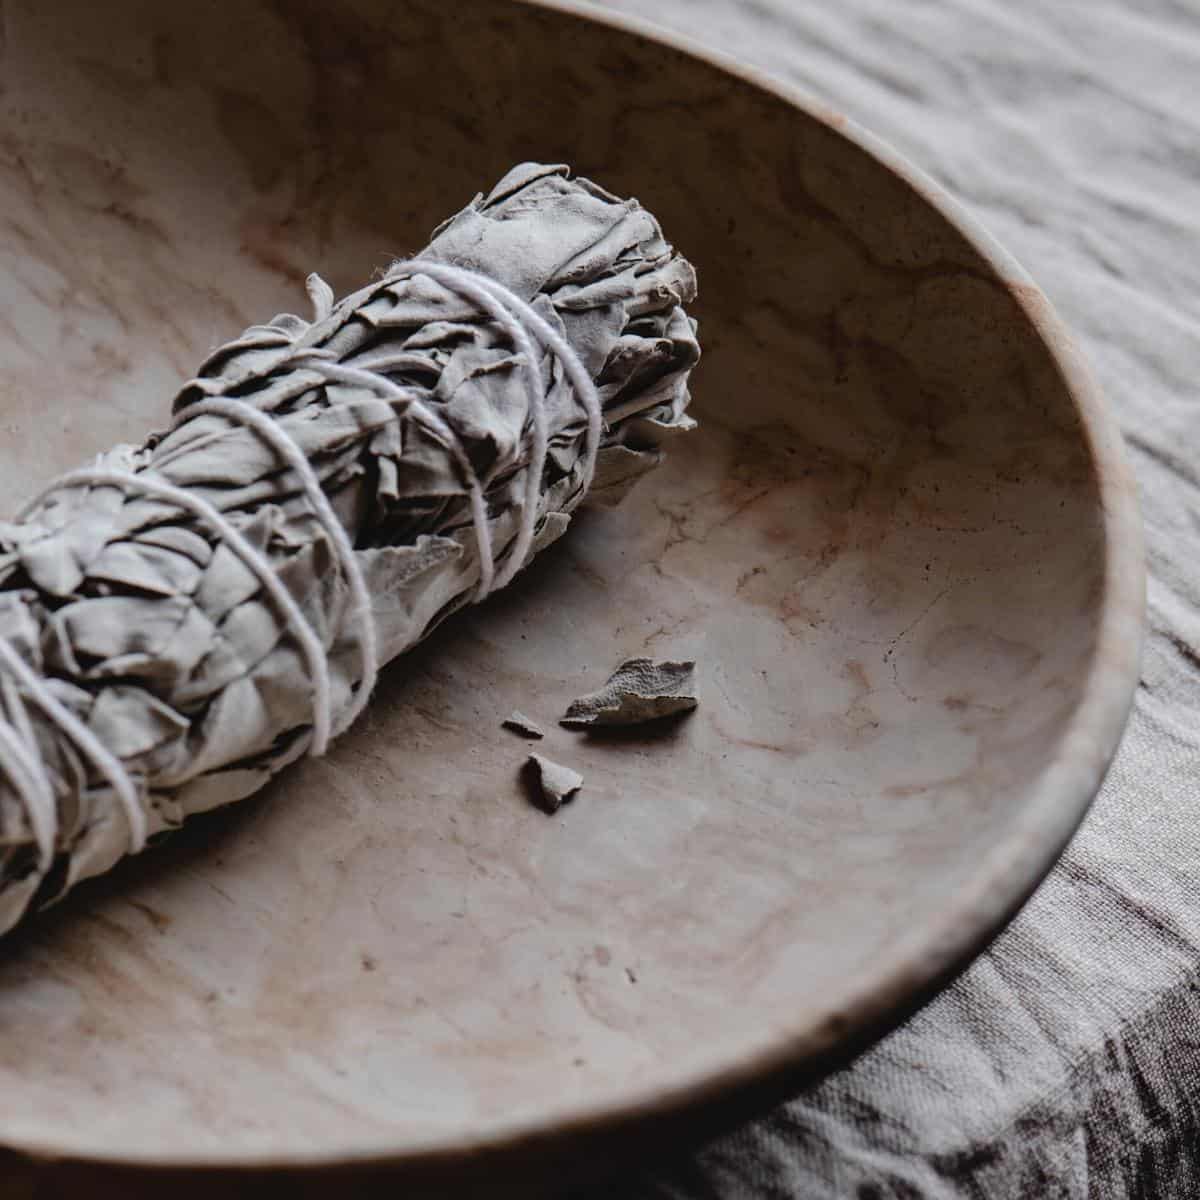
column 184, row 618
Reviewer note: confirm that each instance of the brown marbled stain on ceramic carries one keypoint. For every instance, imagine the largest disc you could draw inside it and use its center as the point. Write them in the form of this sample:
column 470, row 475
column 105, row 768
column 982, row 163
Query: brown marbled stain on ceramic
column 885, row 548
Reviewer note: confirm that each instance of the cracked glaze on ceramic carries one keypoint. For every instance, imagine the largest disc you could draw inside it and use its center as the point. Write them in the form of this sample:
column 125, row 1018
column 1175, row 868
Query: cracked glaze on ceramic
column 903, row 550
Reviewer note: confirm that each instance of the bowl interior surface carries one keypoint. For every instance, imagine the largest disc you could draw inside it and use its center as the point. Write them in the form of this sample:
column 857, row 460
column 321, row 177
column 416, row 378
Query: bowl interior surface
column 886, row 548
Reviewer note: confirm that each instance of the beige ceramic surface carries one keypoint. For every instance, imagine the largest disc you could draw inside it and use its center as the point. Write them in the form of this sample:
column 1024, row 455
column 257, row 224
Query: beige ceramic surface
column 902, row 549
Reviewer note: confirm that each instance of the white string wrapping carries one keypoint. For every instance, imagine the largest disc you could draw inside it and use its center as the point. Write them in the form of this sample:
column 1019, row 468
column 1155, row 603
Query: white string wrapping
column 20, row 756
column 271, row 433
column 85, row 740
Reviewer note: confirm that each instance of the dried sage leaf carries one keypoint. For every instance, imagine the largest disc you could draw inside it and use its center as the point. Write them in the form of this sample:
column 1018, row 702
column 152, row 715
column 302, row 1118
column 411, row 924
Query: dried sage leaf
column 557, row 783
column 518, row 722
column 639, row 690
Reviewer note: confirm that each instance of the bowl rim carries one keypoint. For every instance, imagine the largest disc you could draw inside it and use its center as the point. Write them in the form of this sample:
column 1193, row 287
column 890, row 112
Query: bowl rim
column 874, row 1000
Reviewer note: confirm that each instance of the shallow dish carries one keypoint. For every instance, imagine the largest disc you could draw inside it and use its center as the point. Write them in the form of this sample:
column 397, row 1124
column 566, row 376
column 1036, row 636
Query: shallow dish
column 903, row 549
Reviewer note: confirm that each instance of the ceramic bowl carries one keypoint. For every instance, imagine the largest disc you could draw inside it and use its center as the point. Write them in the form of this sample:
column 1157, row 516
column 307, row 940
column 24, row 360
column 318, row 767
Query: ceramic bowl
column 902, row 548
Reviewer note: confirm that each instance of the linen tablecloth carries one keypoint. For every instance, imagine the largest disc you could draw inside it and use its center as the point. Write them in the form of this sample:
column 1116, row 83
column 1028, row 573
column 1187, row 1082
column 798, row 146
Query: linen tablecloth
column 1065, row 1062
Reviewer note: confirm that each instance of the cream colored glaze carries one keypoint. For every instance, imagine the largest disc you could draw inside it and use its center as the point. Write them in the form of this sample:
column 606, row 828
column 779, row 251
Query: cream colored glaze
column 902, row 550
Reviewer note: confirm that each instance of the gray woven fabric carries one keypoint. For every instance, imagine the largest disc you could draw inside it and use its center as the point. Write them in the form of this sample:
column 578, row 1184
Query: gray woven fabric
column 1066, row 1061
